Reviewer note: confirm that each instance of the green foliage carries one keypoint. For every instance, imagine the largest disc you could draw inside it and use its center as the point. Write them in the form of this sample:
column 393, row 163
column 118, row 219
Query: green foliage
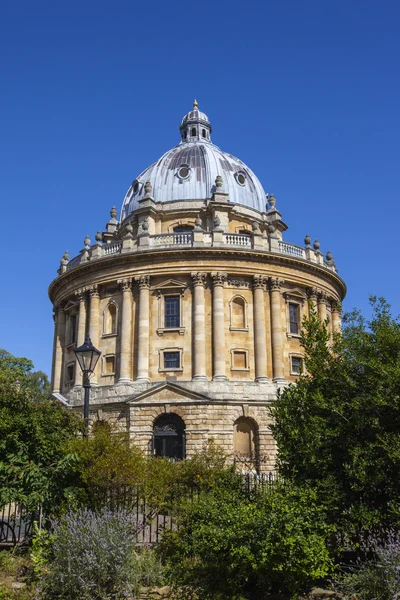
column 94, row 557
column 33, row 432
column 337, row 428
column 232, row 547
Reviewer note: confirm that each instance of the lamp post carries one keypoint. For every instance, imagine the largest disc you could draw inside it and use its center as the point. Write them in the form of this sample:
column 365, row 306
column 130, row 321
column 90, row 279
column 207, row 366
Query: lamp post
column 87, row 356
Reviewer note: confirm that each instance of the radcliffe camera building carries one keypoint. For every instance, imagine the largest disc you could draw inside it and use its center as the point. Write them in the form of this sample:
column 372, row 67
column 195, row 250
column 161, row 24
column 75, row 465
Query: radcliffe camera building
column 195, row 301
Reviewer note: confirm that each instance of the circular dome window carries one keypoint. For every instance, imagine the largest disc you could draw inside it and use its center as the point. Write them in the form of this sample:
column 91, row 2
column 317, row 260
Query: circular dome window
column 240, row 178
column 183, row 171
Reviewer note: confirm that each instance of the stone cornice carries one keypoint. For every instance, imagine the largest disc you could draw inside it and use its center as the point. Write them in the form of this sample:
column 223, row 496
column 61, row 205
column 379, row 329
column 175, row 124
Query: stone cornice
column 139, row 263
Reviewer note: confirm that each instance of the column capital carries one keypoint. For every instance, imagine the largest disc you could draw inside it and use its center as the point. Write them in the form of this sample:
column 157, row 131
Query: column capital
column 80, row 294
column 312, row 293
column 219, row 278
column 93, row 291
column 199, row 278
column 259, row 282
column 143, row 281
column 125, row 284
column 335, row 305
column 322, row 297
column 275, row 284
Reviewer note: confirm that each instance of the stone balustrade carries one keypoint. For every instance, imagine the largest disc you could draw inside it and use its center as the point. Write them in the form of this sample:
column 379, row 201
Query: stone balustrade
column 146, row 243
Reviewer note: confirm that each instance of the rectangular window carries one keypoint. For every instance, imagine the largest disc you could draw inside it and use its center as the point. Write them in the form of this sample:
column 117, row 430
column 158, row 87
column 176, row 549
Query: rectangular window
column 297, row 365
column 172, row 312
column 72, row 329
column 171, row 360
column 294, row 318
column 70, row 373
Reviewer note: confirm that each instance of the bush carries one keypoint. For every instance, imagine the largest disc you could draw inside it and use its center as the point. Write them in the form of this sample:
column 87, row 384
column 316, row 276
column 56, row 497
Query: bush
column 94, row 556
column 232, row 547
column 376, row 578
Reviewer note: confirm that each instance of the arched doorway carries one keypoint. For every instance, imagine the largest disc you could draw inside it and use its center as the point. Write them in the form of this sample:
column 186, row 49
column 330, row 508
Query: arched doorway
column 169, row 436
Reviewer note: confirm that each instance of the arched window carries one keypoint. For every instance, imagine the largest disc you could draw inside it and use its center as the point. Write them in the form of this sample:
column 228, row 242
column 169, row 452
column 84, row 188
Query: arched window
column 245, row 441
column 203, row 133
column 244, row 232
column 183, row 229
column 238, row 313
column 193, row 131
column 110, row 319
column 169, row 436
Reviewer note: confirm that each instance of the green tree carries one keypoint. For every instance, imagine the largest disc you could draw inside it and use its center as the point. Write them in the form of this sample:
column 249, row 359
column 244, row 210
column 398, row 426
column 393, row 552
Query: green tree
column 33, row 433
column 337, row 428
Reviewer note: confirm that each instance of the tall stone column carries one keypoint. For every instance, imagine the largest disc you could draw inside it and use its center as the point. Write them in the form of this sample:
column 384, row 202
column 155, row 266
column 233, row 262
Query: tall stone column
column 218, row 326
column 276, row 330
column 336, row 320
column 94, row 329
column 199, row 327
column 260, row 336
column 125, row 362
column 143, row 328
column 58, row 347
column 322, row 306
column 81, row 295
column 312, row 298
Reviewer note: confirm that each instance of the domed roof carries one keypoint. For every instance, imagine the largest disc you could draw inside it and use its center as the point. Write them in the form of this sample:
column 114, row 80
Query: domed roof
column 188, row 171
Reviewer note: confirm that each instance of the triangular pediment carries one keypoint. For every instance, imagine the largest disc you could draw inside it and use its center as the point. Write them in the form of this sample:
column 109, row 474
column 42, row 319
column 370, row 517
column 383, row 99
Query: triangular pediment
column 167, row 392
column 170, row 284
column 70, row 304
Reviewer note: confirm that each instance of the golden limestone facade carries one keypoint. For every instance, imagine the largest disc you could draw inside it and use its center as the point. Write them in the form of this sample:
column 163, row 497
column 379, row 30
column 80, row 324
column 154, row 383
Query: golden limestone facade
column 196, row 305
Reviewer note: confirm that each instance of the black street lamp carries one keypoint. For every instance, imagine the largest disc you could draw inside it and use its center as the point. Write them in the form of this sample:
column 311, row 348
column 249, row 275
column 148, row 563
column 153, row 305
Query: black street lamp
column 87, row 356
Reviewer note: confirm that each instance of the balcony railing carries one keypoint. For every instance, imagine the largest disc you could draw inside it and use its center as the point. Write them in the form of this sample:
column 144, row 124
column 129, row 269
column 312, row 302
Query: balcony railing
column 172, row 239
column 292, row 250
column 236, row 239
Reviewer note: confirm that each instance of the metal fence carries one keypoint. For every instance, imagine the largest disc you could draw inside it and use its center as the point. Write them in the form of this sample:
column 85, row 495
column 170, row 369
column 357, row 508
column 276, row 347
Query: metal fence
column 16, row 523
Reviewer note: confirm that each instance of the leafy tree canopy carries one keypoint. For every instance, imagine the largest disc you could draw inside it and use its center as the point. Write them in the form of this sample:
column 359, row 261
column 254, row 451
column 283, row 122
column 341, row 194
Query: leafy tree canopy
column 33, row 432
column 337, row 429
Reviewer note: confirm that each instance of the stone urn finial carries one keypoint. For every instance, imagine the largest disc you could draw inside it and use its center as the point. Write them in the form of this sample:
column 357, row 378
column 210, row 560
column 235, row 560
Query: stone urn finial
column 66, row 255
column 197, row 223
column 317, row 245
column 86, row 241
column 148, row 188
column 271, row 229
column 129, row 228
column 218, row 182
column 145, row 224
column 329, row 256
column 216, row 222
column 272, row 201
column 307, row 240
column 255, row 226
column 113, row 212
column 99, row 236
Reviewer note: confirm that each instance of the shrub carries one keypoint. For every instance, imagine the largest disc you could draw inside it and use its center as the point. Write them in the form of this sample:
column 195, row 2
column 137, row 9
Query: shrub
column 230, row 546
column 94, row 556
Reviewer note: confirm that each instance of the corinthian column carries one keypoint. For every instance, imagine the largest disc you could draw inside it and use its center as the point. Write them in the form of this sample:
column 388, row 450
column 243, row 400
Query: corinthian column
column 143, row 328
column 260, row 341
column 322, row 306
column 59, row 341
column 125, row 369
column 276, row 330
column 336, row 320
column 81, row 295
column 199, row 327
column 94, row 332
column 218, row 326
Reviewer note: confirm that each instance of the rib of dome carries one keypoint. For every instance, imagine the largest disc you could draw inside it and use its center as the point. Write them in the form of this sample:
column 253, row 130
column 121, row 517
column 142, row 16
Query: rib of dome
column 205, row 161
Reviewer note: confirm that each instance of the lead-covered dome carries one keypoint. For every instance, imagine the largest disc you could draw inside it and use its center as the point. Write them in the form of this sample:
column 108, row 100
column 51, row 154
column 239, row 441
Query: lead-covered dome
column 188, row 171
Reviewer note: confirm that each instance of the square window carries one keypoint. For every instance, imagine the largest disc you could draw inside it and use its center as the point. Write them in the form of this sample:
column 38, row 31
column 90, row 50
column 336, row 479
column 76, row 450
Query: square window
column 294, row 314
column 171, row 360
column 172, row 312
column 297, row 365
column 239, row 360
column 109, row 365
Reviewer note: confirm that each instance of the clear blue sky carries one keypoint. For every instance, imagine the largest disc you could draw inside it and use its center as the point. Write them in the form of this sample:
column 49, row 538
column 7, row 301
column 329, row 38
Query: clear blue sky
column 307, row 93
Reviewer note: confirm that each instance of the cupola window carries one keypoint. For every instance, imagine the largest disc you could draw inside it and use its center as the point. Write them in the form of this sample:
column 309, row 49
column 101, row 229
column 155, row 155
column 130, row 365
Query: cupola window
column 135, row 187
column 183, row 171
column 240, row 178
column 193, row 131
column 203, row 133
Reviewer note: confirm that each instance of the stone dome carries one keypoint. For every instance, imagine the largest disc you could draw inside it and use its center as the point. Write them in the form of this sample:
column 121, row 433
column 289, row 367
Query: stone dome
column 188, row 171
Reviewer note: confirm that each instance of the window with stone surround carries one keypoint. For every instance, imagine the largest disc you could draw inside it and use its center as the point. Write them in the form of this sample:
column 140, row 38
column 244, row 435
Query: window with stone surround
column 72, row 326
column 238, row 314
column 294, row 318
column 172, row 312
column 240, row 359
column 171, row 360
column 108, row 365
column 170, row 307
column 70, row 373
column 294, row 311
column 296, row 364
